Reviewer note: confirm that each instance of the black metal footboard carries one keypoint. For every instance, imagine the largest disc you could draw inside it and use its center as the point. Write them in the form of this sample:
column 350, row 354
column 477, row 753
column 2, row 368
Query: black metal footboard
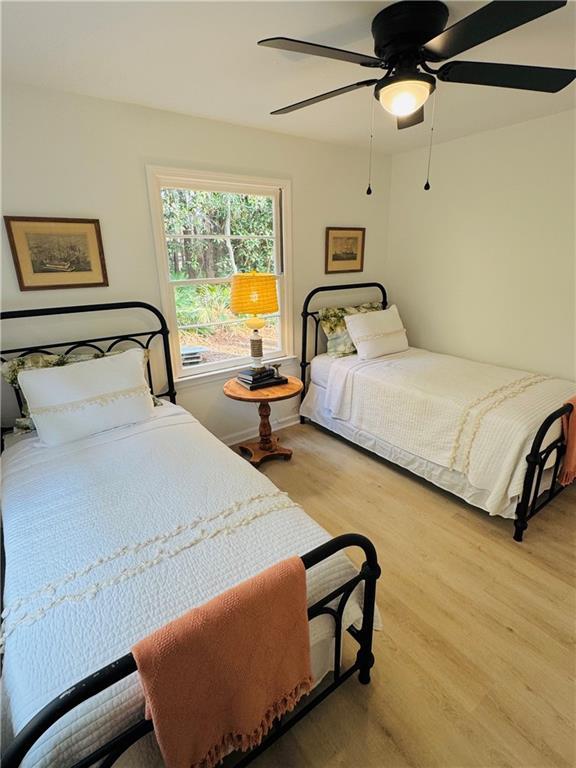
column 533, row 499
column 110, row 752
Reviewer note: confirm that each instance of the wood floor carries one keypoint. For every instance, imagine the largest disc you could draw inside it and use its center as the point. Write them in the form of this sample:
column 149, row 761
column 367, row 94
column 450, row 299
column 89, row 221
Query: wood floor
column 475, row 665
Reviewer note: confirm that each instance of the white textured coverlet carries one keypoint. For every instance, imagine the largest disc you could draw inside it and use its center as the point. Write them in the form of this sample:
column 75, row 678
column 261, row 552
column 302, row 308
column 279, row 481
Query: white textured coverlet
column 471, row 418
column 112, row 536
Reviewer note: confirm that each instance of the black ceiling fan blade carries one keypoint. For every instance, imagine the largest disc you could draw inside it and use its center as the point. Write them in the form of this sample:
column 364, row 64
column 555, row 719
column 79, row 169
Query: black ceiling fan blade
column 314, row 49
column 545, row 79
column 409, row 120
column 487, row 22
column 323, row 97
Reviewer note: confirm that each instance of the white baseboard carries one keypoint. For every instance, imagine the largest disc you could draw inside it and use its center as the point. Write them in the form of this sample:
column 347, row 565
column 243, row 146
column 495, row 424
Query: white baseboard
column 252, row 432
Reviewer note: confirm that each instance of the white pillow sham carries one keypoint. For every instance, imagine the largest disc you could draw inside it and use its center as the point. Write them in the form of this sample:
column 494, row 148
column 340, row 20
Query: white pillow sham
column 377, row 333
column 81, row 399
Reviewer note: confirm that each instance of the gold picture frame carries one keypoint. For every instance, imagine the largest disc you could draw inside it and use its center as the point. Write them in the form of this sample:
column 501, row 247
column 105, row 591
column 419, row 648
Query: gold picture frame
column 54, row 253
column 344, row 249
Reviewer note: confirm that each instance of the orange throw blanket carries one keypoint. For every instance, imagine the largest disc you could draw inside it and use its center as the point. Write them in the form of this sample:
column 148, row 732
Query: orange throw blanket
column 568, row 473
column 216, row 678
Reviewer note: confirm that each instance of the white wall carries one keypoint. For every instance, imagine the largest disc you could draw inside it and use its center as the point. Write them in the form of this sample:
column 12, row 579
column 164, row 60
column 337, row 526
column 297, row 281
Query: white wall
column 67, row 155
column 484, row 264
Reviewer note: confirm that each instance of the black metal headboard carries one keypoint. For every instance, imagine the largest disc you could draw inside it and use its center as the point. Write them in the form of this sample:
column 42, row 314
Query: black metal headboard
column 103, row 343
column 306, row 315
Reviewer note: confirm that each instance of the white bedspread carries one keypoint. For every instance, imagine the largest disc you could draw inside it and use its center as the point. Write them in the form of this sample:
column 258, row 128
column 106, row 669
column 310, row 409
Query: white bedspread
column 472, row 418
column 109, row 538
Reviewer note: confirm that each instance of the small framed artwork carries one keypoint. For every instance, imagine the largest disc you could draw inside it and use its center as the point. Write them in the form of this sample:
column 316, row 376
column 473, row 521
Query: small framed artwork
column 56, row 253
column 344, row 249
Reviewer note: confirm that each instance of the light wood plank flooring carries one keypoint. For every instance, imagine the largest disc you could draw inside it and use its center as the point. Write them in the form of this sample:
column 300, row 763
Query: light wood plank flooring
column 475, row 665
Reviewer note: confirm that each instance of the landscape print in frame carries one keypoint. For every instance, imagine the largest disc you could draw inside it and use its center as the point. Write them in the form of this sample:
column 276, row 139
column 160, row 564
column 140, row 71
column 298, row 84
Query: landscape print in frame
column 53, row 253
column 344, row 249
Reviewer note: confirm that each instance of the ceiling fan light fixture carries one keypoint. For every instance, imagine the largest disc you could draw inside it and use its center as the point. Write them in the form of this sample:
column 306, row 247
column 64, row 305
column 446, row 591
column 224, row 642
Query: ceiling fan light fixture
column 401, row 95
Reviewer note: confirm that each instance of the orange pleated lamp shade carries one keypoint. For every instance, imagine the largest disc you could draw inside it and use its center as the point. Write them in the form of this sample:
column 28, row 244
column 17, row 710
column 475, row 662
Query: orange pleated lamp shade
column 254, row 293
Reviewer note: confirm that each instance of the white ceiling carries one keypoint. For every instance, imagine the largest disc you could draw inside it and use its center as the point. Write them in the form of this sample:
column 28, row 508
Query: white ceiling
column 201, row 58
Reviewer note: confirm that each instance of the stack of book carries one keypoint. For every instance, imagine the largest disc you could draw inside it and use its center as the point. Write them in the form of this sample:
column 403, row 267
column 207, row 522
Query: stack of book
column 254, row 378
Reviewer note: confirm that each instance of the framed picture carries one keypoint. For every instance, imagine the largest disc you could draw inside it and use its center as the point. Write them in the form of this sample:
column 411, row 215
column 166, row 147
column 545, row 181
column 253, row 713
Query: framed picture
column 344, row 249
column 56, row 253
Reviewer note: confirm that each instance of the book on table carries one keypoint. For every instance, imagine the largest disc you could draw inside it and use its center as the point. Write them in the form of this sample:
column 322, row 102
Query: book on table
column 254, row 375
column 271, row 381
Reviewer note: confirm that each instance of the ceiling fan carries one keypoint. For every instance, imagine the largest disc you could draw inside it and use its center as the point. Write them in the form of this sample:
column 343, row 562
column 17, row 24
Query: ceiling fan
column 409, row 34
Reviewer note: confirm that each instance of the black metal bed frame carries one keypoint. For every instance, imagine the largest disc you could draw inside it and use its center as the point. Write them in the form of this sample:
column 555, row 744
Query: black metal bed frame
column 117, row 670
column 99, row 681
column 533, row 499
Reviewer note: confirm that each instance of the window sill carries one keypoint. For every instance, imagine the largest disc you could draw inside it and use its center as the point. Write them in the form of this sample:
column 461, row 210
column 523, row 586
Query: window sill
column 198, row 379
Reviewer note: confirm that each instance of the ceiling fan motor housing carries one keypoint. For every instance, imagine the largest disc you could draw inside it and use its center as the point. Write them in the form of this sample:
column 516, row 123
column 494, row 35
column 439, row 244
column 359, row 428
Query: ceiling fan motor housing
column 401, row 29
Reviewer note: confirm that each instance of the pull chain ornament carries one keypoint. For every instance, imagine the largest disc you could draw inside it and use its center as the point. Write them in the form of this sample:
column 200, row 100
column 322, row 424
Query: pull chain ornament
column 369, row 189
column 427, row 184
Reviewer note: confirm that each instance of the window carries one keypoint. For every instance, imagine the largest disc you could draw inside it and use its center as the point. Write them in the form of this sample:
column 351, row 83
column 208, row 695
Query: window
column 207, row 228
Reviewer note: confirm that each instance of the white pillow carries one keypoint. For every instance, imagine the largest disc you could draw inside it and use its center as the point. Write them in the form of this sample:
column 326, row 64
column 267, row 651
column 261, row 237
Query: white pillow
column 70, row 402
column 377, row 333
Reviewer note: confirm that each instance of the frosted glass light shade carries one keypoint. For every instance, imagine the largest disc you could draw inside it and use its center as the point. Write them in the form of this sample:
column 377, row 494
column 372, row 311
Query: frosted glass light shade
column 253, row 293
column 403, row 97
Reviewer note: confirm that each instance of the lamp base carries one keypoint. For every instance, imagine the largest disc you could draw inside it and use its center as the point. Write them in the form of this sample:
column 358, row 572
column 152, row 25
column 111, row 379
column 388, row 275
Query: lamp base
column 256, row 350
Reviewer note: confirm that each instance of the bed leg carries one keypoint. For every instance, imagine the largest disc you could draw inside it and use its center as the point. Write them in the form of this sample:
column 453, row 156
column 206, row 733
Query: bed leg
column 364, row 674
column 365, row 657
column 520, row 526
column 521, row 521
column 523, row 506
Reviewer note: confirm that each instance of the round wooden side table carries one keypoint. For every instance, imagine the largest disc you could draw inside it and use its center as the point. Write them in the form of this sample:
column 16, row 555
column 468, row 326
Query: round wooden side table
column 268, row 447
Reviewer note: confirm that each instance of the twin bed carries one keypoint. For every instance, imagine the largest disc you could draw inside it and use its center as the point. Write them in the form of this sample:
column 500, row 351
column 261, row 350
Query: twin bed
column 490, row 435
column 113, row 535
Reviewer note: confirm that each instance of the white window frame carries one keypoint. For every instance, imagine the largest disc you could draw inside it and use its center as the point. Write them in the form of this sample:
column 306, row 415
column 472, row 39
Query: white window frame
column 160, row 177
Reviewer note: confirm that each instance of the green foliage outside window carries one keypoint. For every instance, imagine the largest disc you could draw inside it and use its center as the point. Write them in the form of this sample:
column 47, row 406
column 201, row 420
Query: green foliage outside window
column 212, row 235
column 203, row 304
column 237, row 230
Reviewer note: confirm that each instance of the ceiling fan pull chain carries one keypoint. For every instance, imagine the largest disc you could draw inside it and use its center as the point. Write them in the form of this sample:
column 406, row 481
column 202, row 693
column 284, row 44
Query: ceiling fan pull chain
column 427, row 185
column 369, row 189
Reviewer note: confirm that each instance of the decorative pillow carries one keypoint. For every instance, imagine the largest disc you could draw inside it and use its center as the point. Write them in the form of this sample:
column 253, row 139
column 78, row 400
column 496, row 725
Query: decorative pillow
column 11, row 368
column 332, row 321
column 74, row 401
column 377, row 333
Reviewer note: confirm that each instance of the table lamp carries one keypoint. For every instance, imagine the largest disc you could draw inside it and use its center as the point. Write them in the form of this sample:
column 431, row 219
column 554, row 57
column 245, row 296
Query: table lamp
column 254, row 293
